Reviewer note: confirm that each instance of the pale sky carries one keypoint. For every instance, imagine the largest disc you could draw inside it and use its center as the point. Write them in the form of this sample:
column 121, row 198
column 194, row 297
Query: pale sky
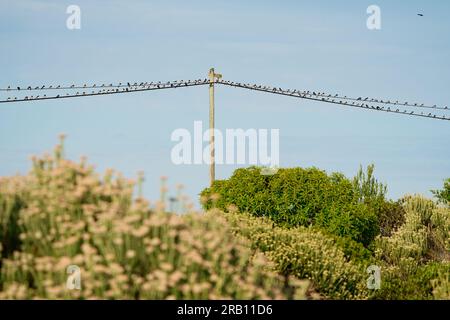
column 310, row 45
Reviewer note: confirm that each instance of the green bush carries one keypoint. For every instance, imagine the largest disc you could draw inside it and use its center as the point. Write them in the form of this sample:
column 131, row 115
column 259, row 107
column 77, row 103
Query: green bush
column 391, row 215
column 372, row 193
column 409, row 281
column 443, row 195
column 441, row 284
column 298, row 197
column 11, row 195
column 354, row 251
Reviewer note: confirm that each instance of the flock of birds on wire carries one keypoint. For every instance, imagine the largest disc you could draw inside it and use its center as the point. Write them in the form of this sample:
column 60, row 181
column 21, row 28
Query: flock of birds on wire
column 104, row 89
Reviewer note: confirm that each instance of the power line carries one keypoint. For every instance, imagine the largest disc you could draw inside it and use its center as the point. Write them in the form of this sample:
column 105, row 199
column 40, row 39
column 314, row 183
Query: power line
column 117, row 90
column 159, row 83
column 319, row 94
column 333, row 100
column 96, row 86
column 108, row 89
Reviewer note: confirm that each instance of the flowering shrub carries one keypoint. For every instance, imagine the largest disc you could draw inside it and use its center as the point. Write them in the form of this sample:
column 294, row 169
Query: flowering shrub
column 305, row 253
column 415, row 259
column 423, row 236
column 63, row 213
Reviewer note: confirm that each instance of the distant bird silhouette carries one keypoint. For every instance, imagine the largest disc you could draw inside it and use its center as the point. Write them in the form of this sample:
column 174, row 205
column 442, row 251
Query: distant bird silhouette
column 420, row 14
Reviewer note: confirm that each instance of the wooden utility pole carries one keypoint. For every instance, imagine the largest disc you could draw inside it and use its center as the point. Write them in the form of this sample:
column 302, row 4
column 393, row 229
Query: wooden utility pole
column 212, row 78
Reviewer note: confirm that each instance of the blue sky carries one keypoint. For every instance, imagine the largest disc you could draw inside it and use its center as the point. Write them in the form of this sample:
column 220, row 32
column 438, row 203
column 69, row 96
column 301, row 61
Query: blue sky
column 312, row 45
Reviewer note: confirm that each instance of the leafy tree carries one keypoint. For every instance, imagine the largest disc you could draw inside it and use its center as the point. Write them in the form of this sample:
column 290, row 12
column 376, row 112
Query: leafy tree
column 367, row 187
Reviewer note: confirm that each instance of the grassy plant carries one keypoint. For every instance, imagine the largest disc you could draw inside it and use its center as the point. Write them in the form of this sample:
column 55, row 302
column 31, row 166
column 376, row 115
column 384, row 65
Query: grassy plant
column 63, row 213
column 304, row 253
column 415, row 259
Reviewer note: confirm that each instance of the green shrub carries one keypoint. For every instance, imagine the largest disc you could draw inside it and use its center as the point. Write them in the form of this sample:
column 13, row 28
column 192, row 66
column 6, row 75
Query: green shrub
column 410, row 281
column 354, row 251
column 443, row 195
column 441, row 283
column 298, row 197
column 372, row 193
column 368, row 188
column 391, row 215
column 11, row 194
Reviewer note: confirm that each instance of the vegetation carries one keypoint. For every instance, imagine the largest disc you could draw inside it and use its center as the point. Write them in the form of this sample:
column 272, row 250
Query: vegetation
column 299, row 197
column 443, row 195
column 416, row 257
column 302, row 217
column 305, row 253
column 63, row 214
column 301, row 233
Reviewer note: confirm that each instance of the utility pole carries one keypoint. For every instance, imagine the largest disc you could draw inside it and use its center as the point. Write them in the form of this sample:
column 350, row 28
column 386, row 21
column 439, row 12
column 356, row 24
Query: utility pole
column 212, row 78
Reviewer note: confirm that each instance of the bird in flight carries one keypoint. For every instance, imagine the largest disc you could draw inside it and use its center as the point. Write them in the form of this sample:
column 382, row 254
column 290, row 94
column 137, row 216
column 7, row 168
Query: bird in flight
column 420, row 14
